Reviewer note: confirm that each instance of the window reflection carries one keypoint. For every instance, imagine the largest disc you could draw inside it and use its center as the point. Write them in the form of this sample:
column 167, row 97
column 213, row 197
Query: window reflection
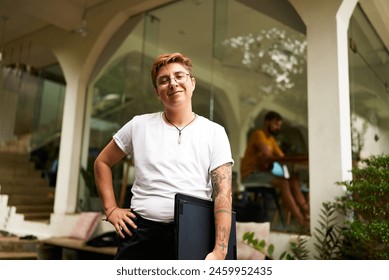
column 232, row 87
column 369, row 71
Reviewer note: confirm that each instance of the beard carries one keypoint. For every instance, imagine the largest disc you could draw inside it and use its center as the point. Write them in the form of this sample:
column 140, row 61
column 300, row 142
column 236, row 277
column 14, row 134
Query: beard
column 274, row 132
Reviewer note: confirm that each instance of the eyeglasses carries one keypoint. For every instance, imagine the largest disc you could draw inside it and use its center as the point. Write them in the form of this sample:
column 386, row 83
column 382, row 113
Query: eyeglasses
column 179, row 77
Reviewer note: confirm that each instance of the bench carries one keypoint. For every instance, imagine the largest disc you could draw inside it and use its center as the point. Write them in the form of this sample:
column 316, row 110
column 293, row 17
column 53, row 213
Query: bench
column 71, row 248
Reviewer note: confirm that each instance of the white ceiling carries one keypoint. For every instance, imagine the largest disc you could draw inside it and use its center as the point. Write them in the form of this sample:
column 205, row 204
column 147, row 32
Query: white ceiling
column 19, row 18
column 27, row 16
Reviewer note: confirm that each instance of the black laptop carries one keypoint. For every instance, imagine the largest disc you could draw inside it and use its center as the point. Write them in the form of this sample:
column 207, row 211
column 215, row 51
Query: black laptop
column 195, row 229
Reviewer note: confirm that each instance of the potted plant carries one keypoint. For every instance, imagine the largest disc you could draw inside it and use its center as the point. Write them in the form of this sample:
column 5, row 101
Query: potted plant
column 366, row 205
column 356, row 225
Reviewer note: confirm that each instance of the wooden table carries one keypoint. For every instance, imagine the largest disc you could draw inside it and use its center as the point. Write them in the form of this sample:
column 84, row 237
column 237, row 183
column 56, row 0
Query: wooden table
column 83, row 251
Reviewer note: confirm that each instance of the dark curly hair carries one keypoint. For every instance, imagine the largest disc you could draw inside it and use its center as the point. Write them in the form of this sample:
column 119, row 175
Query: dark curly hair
column 273, row 115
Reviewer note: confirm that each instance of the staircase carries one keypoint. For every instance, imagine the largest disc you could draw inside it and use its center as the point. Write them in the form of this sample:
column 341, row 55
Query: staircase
column 26, row 189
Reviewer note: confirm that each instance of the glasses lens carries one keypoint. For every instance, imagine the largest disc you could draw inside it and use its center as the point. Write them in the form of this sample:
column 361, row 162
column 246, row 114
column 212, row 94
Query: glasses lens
column 179, row 77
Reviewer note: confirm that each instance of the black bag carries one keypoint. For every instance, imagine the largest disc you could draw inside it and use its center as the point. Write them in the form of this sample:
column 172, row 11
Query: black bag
column 108, row 239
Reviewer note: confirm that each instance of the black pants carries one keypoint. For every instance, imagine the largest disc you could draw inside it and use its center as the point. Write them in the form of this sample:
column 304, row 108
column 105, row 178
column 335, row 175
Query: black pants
column 150, row 241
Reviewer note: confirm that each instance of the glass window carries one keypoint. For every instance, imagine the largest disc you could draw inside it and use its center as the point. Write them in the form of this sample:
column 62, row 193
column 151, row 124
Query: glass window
column 369, row 72
column 32, row 108
column 247, row 60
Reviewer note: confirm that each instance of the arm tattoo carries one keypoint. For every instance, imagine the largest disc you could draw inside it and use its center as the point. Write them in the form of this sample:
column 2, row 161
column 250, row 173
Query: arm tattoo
column 223, row 246
column 222, row 211
column 222, row 176
column 222, row 233
column 221, row 181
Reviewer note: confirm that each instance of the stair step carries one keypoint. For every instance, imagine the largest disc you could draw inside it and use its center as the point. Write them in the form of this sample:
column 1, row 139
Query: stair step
column 31, row 199
column 16, row 162
column 24, row 181
column 27, row 191
column 14, row 149
column 7, row 173
column 7, row 189
column 18, row 144
column 34, row 208
column 36, row 216
column 17, row 168
column 8, row 165
column 11, row 156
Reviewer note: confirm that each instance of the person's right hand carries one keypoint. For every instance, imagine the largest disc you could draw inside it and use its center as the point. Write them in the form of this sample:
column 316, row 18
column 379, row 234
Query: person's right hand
column 120, row 218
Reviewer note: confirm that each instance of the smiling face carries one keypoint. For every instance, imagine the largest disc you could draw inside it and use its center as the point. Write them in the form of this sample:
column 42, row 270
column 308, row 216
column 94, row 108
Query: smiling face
column 174, row 85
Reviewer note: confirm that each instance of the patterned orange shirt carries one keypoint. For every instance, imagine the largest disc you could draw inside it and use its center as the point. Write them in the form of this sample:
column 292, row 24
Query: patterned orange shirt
column 254, row 159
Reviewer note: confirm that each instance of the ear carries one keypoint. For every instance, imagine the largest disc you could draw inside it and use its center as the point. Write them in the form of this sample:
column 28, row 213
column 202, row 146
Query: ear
column 193, row 82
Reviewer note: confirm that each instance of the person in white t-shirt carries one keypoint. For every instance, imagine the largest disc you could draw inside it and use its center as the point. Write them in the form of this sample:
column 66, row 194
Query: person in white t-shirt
column 174, row 151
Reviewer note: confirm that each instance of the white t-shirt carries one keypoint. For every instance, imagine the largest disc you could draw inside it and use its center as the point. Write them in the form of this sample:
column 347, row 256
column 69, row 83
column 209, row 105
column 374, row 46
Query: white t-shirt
column 163, row 167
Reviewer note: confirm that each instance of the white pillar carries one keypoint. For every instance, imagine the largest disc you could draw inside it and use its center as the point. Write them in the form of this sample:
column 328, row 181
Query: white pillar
column 70, row 149
column 328, row 97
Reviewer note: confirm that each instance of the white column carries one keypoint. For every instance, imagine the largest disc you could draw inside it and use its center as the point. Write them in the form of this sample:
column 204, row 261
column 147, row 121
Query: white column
column 328, row 97
column 70, row 149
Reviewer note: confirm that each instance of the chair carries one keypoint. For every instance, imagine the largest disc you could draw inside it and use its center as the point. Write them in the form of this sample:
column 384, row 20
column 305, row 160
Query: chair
column 264, row 194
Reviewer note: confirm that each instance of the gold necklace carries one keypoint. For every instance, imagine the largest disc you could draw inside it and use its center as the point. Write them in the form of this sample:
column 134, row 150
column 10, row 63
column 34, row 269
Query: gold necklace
column 180, row 130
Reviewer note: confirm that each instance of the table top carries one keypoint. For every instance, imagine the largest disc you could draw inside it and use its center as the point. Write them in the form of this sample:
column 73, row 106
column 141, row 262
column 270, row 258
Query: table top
column 78, row 244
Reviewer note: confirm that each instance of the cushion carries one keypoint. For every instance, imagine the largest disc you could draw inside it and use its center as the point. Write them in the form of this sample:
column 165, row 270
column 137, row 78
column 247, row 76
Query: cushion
column 85, row 225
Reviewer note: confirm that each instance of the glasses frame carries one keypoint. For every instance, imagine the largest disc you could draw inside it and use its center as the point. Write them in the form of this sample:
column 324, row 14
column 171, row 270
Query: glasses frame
column 169, row 79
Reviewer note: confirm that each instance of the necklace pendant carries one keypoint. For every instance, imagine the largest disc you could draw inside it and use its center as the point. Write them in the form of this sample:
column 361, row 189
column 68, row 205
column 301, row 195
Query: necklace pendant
column 180, row 130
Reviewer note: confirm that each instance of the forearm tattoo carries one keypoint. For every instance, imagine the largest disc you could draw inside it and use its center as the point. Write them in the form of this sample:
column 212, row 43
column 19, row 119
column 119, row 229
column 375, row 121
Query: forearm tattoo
column 221, row 181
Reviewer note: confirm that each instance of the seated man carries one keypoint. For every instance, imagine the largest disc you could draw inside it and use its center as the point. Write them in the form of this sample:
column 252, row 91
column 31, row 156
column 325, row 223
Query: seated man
column 261, row 152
